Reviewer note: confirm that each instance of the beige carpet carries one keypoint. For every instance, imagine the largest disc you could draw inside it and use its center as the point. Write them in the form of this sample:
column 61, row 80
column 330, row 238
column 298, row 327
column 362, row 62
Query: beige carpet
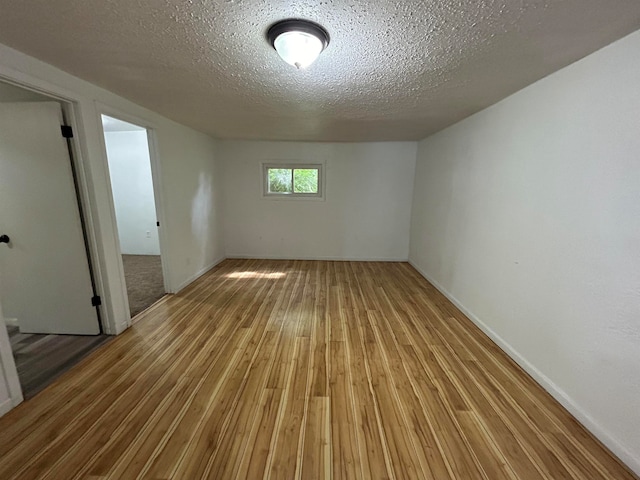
column 143, row 274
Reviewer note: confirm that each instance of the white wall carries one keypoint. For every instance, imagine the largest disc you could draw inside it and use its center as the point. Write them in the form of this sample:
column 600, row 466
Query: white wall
column 365, row 213
column 192, row 192
column 132, row 185
column 191, row 226
column 528, row 215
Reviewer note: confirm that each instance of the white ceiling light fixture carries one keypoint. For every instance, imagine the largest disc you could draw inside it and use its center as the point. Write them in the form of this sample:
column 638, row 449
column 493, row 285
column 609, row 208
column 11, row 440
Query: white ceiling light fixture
column 298, row 42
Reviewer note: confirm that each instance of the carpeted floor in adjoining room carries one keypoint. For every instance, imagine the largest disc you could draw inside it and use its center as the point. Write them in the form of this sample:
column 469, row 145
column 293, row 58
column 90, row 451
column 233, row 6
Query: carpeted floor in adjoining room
column 145, row 285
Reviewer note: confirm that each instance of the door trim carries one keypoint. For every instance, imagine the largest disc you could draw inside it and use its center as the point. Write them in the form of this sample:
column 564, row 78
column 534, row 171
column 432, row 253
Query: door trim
column 82, row 215
column 9, row 370
column 71, row 112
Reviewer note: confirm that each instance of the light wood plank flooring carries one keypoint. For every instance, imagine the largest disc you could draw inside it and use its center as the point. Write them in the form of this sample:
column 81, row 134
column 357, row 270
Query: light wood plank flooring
column 309, row 370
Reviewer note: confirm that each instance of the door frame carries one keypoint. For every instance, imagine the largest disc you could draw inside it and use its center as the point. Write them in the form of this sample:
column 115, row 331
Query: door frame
column 82, row 193
column 83, row 101
column 8, row 370
column 156, row 176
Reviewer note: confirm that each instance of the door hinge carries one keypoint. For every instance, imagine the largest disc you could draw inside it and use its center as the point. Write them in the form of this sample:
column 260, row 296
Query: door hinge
column 157, row 224
column 96, row 301
column 67, row 131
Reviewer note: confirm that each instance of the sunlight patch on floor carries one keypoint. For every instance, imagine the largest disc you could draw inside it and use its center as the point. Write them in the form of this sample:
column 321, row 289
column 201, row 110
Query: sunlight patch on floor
column 255, row 275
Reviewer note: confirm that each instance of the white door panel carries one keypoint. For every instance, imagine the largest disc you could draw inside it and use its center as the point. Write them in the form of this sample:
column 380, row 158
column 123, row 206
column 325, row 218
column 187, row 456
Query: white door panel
column 44, row 273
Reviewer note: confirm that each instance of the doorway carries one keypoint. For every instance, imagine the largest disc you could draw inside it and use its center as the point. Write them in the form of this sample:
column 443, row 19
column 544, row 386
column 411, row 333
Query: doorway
column 47, row 290
column 134, row 199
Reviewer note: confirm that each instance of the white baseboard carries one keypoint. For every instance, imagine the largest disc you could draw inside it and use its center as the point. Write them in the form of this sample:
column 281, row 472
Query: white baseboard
column 6, row 406
column 17, row 401
column 198, row 274
column 567, row 402
column 328, row 259
column 119, row 328
column 11, row 321
column 10, row 404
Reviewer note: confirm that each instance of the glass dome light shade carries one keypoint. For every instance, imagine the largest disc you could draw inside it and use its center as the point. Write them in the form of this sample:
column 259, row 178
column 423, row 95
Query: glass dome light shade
column 299, row 49
column 298, row 42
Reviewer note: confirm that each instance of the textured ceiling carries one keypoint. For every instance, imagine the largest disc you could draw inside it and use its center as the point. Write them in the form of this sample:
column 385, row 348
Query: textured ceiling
column 395, row 70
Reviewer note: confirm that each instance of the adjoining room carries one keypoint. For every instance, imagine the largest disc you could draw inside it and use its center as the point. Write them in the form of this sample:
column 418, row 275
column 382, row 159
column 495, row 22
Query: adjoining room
column 127, row 147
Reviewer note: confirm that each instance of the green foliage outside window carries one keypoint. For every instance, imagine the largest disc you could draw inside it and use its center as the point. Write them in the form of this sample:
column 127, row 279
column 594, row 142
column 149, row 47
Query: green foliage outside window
column 293, row 180
column 280, row 180
column 305, row 180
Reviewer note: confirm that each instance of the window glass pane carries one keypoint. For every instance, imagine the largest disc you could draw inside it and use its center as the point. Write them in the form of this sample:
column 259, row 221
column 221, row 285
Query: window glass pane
column 280, row 180
column 305, row 180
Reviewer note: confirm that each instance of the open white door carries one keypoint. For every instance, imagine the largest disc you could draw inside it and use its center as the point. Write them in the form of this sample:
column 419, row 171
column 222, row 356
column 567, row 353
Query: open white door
column 44, row 273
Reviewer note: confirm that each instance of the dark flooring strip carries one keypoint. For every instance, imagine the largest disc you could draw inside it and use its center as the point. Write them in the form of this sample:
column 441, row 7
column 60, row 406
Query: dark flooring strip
column 40, row 359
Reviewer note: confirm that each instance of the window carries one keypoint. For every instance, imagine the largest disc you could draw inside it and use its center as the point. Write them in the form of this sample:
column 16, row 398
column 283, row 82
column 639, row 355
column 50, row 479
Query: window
column 292, row 180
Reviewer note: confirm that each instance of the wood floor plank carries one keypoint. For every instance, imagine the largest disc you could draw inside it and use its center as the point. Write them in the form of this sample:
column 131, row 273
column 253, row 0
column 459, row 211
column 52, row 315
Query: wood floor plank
column 451, row 441
column 300, row 370
column 400, row 447
column 373, row 452
column 287, row 441
column 167, row 457
column 343, row 435
column 316, row 459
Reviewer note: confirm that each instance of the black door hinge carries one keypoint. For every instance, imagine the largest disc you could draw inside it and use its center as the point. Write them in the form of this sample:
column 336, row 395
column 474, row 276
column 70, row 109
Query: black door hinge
column 67, row 131
column 96, row 301
column 157, row 224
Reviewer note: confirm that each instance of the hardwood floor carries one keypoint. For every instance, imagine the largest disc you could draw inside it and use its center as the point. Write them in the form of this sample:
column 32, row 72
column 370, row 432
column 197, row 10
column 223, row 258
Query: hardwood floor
column 310, row 370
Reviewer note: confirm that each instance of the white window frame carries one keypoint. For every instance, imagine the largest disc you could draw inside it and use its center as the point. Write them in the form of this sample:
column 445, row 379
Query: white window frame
column 293, row 166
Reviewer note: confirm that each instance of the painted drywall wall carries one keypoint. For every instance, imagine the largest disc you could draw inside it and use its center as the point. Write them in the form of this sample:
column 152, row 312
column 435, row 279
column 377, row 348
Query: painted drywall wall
column 132, row 185
column 365, row 213
column 192, row 185
column 191, row 217
column 528, row 215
